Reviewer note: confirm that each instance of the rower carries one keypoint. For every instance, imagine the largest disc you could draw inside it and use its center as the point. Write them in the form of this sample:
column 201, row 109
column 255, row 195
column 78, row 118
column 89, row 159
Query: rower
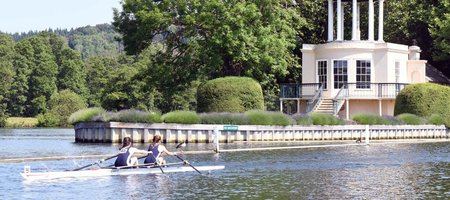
column 125, row 156
column 155, row 150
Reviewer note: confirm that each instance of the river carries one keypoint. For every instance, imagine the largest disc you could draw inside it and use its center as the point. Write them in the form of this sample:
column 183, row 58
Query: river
column 378, row 171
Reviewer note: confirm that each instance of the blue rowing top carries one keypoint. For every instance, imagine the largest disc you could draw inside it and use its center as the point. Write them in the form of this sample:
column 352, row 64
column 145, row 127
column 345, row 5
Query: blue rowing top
column 151, row 157
column 124, row 156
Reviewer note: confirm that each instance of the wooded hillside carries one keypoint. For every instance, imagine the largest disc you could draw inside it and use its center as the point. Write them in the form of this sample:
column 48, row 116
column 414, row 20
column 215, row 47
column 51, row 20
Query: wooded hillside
column 173, row 46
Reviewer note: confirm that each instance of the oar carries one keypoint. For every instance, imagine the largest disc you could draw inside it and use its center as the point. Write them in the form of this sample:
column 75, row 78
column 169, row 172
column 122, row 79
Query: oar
column 186, row 162
column 144, row 165
column 156, row 163
column 96, row 162
column 137, row 158
column 182, row 144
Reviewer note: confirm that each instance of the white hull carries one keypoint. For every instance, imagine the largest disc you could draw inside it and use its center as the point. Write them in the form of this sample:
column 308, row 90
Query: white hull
column 113, row 172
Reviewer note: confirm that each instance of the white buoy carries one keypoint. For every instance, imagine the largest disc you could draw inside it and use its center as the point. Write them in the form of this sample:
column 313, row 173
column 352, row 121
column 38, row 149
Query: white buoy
column 26, row 169
column 367, row 133
column 216, row 138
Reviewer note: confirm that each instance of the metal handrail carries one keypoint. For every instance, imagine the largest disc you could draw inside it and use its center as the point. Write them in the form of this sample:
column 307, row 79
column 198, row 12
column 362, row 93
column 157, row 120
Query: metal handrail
column 312, row 104
column 338, row 100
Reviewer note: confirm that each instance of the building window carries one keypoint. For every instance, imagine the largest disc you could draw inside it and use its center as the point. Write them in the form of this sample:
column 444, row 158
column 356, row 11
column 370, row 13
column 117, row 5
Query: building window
column 397, row 77
column 397, row 72
column 340, row 73
column 363, row 74
column 322, row 73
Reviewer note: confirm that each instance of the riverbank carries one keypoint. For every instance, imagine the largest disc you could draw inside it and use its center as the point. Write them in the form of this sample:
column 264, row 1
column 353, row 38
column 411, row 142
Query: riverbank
column 21, row 122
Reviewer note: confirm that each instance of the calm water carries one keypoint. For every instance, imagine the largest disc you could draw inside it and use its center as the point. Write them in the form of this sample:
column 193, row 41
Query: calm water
column 378, row 171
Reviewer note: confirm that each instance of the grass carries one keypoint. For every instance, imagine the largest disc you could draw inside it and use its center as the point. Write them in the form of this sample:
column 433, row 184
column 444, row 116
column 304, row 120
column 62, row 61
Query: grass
column 21, row 122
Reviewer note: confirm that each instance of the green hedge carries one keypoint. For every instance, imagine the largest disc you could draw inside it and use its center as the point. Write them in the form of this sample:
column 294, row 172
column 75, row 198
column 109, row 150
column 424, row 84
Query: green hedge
column 230, row 94
column 181, row 117
column 435, row 119
column 370, row 119
column 256, row 117
column 85, row 115
column 424, row 99
column 304, row 120
column 224, row 118
column 134, row 116
column 411, row 119
column 325, row 119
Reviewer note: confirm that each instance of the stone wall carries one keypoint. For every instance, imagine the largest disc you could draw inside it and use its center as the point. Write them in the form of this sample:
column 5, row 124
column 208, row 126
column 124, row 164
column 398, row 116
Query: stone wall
column 113, row 132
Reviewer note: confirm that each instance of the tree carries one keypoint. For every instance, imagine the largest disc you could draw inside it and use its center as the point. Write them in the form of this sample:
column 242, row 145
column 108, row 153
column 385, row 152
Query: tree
column 407, row 21
column 440, row 31
column 61, row 106
column 213, row 38
column 71, row 73
column 98, row 72
column 123, row 90
column 6, row 74
column 36, row 56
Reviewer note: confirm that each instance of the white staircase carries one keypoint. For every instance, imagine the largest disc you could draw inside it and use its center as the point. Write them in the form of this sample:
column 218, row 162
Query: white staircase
column 325, row 106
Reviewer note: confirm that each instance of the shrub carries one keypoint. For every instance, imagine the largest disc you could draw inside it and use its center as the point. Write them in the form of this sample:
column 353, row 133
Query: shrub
column 224, row 118
column 435, row 119
column 424, row 99
column 411, row 119
column 181, row 117
column 325, row 119
column 230, row 94
column 135, row 116
column 104, row 117
column 268, row 118
column 370, row 119
column 63, row 104
column 303, row 119
column 393, row 120
column 48, row 120
column 85, row 115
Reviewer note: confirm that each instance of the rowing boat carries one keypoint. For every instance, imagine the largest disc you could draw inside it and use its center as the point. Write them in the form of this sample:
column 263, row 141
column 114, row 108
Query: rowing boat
column 96, row 172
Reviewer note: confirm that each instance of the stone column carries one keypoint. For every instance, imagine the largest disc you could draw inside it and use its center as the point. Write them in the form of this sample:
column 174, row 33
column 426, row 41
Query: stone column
column 380, row 21
column 343, row 20
column 339, row 20
column 330, row 20
column 354, row 19
column 371, row 21
column 358, row 22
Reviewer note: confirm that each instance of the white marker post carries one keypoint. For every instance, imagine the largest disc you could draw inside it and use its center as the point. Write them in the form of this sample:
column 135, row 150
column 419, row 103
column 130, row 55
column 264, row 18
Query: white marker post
column 216, row 138
column 367, row 133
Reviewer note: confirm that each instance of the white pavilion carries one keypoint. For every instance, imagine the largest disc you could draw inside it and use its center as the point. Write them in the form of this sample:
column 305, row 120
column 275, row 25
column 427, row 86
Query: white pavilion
column 348, row 76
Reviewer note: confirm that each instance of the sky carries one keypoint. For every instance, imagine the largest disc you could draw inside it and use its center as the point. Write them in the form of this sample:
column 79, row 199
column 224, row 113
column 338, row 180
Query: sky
column 26, row 15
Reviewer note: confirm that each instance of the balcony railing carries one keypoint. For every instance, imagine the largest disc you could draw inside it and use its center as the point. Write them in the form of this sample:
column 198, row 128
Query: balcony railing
column 296, row 90
column 374, row 90
column 354, row 90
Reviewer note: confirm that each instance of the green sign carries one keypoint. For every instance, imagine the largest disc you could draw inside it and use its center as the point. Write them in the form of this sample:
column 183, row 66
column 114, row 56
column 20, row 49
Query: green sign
column 230, row 128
